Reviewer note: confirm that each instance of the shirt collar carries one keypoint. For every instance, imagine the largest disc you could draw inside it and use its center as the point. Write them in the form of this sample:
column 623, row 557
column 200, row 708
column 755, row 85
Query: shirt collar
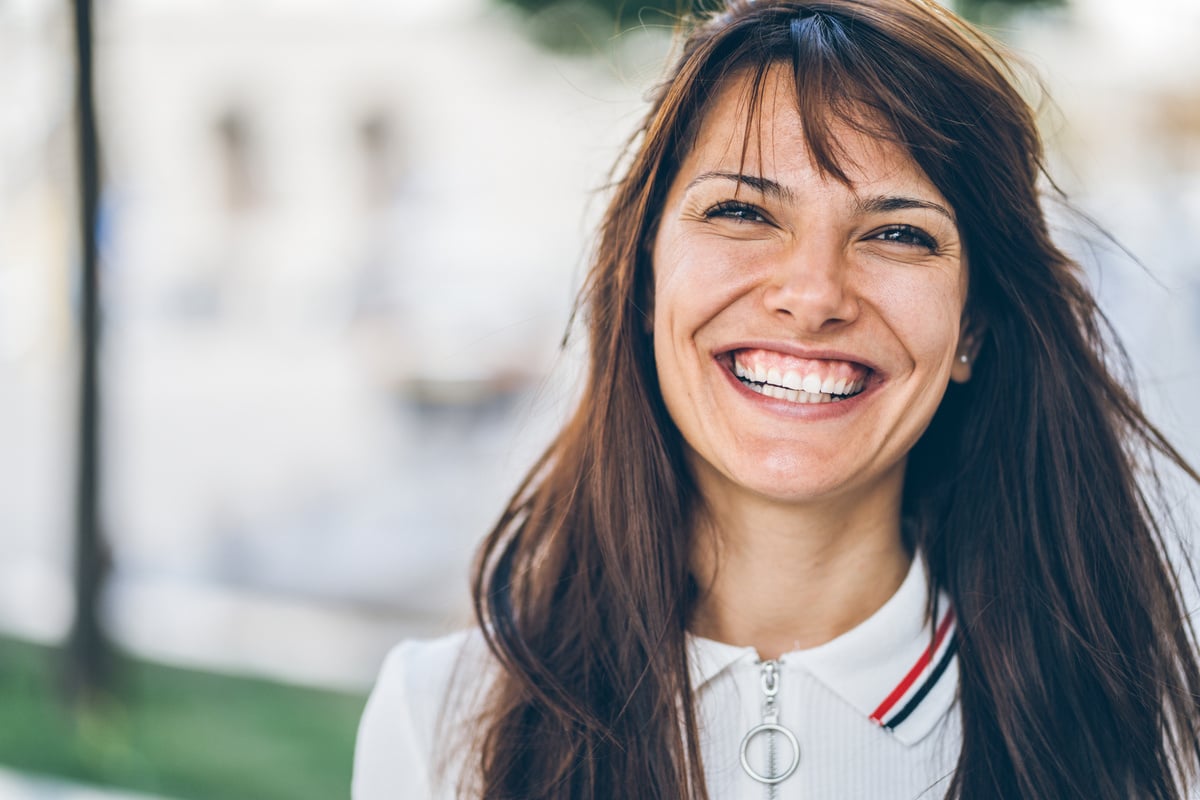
column 897, row 668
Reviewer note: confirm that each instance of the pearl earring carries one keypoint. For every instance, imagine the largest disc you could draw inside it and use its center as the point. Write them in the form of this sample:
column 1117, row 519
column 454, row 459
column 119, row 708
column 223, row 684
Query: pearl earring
column 963, row 358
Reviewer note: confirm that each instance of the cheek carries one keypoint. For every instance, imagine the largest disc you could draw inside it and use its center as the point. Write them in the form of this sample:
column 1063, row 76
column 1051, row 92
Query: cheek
column 695, row 279
column 925, row 312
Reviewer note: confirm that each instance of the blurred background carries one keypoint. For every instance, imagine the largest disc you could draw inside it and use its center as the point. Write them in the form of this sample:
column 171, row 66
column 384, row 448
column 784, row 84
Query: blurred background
column 337, row 246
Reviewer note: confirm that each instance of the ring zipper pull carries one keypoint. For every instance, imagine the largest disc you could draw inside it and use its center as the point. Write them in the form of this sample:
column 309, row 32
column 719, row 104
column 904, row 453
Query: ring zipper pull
column 770, row 727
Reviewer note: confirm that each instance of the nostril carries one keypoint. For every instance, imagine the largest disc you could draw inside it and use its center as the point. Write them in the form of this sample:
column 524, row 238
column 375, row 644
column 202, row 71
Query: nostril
column 815, row 300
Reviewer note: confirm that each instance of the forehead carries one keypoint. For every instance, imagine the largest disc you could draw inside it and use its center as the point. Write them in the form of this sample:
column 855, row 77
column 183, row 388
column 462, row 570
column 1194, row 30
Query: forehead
column 756, row 128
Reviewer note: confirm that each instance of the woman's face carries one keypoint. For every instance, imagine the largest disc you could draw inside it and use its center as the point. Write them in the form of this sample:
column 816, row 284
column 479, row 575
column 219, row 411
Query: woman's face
column 804, row 330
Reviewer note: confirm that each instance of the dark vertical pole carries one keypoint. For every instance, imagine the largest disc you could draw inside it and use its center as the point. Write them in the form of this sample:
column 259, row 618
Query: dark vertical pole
column 88, row 665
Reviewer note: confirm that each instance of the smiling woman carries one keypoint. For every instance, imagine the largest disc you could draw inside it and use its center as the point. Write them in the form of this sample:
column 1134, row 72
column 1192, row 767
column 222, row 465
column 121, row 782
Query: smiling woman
column 850, row 504
column 773, row 281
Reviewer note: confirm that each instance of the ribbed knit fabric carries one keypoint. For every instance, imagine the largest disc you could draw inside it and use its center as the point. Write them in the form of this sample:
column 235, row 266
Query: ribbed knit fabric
column 843, row 755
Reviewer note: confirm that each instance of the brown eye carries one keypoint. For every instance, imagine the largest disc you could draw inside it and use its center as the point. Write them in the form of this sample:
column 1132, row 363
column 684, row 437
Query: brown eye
column 906, row 234
column 732, row 209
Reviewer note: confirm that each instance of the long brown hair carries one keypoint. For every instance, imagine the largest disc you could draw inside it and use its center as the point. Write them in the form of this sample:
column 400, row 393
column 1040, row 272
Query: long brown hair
column 1078, row 677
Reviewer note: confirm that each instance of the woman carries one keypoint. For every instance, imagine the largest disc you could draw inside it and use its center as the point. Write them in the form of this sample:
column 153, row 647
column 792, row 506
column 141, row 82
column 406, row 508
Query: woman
column 849, row 507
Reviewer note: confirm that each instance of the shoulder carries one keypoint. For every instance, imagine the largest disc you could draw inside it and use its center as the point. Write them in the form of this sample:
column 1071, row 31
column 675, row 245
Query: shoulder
column 425, row 696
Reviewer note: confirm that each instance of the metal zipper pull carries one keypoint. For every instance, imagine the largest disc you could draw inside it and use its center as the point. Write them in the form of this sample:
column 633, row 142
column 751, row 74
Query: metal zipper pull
column 770, row 728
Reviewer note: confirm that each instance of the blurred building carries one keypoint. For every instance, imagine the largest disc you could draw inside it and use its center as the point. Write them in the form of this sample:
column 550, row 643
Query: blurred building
column 37, row 231
column 340, row 245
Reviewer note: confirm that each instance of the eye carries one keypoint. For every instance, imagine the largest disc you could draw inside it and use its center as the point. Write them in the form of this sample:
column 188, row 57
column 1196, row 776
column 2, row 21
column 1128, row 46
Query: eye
column 735, row 210
column 907, row 235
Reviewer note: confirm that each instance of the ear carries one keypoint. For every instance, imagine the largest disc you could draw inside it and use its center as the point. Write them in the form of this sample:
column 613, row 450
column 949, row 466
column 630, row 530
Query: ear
column 966, row 353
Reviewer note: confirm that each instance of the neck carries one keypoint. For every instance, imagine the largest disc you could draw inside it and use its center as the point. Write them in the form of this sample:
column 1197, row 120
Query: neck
column 782, row 578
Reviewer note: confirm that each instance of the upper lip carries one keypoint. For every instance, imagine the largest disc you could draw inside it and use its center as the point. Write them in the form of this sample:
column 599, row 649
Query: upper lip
column 799, row 351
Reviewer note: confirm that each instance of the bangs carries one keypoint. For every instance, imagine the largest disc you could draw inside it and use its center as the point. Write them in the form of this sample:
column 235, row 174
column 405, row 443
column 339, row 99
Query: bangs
column 847, row 74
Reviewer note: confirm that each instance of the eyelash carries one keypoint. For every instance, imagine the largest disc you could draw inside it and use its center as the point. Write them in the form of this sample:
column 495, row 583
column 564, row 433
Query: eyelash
column 909, row 236
column 733, row 209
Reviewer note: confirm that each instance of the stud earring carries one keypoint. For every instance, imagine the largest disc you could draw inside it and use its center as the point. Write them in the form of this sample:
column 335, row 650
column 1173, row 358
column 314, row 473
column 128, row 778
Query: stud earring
column 964, row 359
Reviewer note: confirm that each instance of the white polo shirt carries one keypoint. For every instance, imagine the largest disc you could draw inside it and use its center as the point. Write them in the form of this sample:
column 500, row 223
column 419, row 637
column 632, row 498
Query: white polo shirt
column 871, row 713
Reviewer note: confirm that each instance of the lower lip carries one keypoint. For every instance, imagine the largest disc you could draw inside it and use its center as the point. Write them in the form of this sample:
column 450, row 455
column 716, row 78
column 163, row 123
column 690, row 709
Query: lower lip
column 832, row 410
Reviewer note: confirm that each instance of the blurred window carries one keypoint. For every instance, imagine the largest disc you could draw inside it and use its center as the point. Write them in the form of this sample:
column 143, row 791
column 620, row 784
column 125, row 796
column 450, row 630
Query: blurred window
column 236, row 145
column 377, row 138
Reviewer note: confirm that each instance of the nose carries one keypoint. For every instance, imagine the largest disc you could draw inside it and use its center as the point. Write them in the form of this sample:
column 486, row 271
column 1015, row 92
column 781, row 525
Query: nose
column 811, row 286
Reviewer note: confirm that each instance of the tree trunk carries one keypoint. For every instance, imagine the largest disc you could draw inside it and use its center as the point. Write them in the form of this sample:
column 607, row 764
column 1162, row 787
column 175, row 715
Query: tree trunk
column 88, row 670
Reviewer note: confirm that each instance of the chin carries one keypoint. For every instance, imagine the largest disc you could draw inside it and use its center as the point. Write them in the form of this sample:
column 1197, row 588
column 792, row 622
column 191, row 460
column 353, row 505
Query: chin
column 794, row 481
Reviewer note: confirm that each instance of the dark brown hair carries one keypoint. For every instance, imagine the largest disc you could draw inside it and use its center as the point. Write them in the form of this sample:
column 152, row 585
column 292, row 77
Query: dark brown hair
column 1078, row 678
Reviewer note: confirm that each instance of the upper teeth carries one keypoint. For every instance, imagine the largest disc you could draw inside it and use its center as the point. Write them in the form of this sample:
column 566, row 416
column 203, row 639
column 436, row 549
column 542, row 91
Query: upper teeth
column 811, row 383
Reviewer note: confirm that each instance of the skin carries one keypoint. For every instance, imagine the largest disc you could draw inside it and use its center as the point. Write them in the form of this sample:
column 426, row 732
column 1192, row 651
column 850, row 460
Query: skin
column 799, row 539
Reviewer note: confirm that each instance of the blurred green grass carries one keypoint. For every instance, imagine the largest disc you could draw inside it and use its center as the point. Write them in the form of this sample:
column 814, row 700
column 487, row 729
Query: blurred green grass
column 182, row 733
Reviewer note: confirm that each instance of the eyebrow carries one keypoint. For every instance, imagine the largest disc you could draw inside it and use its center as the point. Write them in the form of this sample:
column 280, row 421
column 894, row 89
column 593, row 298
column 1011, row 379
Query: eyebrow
column 870, row 205
column 883, row 204
column 762, row 185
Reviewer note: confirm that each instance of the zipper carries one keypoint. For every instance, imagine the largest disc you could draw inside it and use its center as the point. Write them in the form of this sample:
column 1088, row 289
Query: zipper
column 770, row 715
column 770, row 727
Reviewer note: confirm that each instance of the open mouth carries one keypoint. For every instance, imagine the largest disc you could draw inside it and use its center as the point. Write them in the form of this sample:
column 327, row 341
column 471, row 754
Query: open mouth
column 797, row 380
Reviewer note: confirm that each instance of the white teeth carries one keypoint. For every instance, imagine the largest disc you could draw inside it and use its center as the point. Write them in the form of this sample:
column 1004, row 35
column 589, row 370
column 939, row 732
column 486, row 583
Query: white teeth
column 790, row 385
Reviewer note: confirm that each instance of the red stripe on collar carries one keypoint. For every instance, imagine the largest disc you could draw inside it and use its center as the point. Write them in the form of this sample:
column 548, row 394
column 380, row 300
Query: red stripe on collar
column 917, row 669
